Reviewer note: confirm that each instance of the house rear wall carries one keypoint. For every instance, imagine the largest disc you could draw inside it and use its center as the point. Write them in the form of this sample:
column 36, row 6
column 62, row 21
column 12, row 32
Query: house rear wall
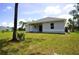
column 58, row 27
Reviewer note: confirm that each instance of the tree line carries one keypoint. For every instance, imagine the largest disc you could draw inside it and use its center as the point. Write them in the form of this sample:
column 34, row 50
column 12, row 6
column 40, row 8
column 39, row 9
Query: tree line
column 74, row 22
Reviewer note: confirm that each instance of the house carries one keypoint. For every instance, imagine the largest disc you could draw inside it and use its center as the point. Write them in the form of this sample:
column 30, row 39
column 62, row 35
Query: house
column 48, row 24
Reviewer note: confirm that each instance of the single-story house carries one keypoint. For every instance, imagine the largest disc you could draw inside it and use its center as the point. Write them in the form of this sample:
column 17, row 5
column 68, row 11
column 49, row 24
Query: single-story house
column 48, row 24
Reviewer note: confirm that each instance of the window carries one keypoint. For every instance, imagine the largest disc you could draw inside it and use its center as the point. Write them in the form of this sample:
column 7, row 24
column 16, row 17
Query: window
column 52, row 25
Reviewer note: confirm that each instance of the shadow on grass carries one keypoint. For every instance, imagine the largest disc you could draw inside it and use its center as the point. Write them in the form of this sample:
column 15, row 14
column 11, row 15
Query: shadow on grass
column 6, row 47
column 3, row 43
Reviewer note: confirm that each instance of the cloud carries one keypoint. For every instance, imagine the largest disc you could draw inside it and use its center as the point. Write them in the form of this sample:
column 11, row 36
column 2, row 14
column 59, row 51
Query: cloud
column 66, row 16
column 26, row 20
column 30, row 19
column 4, row 24
column 7, row 8
column 49, row 10
column 21, row 20
column 68, row 8
column 33, row 12
column 10, row 24
column 55, row 10
column 44, row 16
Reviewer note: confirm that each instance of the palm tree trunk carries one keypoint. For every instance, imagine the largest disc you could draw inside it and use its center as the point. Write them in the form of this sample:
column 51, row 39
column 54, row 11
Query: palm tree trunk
column 15, row 22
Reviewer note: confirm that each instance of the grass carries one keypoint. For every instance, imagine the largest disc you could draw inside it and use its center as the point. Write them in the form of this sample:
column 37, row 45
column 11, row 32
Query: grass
column 41, row 44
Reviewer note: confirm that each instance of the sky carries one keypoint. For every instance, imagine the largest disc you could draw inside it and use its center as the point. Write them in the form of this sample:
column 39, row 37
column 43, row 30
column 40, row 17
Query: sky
column 33, row 11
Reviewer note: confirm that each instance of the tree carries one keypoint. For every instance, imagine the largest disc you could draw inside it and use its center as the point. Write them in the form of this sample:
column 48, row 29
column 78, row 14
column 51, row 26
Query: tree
column 15, row 22
column 75, row 13
column 71, row 25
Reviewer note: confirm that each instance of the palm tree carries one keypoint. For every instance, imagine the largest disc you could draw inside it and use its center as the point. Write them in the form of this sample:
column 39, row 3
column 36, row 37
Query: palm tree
column 15, row 22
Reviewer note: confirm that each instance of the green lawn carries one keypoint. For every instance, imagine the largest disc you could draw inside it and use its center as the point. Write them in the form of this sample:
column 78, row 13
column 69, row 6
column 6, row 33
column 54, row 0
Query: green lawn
column 40, row 43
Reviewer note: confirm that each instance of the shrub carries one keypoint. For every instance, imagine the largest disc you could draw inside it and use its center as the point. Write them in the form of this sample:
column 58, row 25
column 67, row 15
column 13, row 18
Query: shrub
column 3, row 31
column 20, row 36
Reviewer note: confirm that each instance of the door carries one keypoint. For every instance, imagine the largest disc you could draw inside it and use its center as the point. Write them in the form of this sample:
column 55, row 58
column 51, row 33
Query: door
column 40, row 28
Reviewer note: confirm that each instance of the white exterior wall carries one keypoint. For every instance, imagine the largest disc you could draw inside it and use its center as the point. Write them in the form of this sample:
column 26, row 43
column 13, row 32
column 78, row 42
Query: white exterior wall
column 27, row 28
column 46, row 27
column 58, row 27
column 31, row 28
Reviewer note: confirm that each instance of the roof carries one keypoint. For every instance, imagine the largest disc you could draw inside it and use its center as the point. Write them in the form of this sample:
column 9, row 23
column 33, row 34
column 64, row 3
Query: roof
column 47, row 19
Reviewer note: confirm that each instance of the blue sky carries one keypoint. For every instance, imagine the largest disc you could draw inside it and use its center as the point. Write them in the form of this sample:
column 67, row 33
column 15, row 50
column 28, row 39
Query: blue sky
column 33, row 11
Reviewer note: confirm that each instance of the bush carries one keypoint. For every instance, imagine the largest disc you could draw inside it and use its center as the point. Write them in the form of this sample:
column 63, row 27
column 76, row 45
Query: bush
column 20, row 36
column 3, row 31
